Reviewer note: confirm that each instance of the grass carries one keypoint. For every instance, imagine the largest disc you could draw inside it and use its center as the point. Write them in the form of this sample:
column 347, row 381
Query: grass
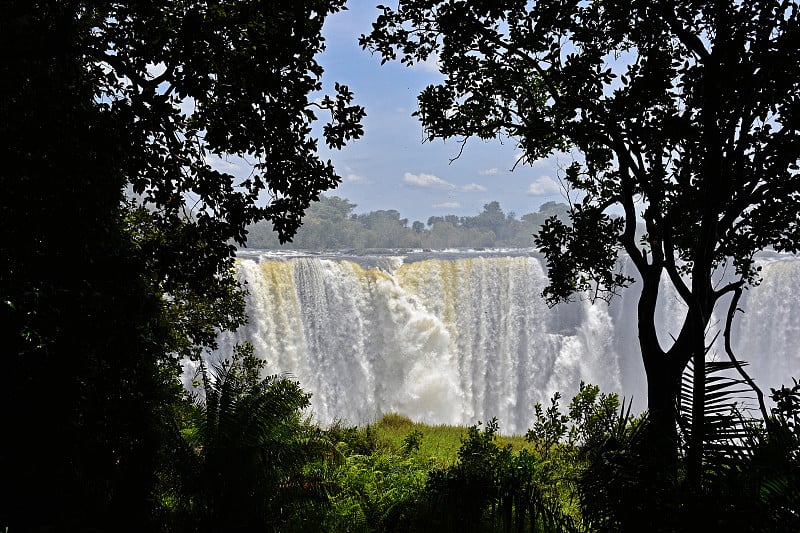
column 439, row 443
column 385, row 468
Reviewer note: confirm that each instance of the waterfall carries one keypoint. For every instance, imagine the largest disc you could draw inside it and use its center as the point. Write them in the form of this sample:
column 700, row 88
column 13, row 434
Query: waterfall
column 457, row 338
column 768, row 333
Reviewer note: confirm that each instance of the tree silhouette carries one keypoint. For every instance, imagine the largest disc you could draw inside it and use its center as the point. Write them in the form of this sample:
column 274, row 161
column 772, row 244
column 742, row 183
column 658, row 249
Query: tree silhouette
column 253, row 445
column 680, row 115
column 115, row 259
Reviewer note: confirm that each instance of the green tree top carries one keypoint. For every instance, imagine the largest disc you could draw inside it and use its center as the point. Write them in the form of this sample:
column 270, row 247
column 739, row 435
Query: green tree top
column 191, row 80
column 684, row 115
column 100, row 296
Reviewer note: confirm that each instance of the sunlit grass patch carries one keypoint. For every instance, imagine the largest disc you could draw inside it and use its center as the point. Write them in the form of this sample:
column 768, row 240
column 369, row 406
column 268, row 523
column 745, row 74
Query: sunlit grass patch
column 438, row 442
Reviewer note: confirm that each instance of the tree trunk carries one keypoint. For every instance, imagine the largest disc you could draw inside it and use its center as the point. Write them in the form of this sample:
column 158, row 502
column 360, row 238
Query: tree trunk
column 694, row 463
column 663, row 386
column 658, row 456
column 663, row 379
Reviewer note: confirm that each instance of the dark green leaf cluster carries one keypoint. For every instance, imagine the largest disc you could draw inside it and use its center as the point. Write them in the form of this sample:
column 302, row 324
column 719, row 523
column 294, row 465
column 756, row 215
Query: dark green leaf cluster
column 787, row 404
column 750, row 469
column 581, row 257
column 189, row 82
column 411, row 442
column 591, row 417
column 251, row 451
column 616, row 486
column 549, row 425
column 678, row 107
column 116, row 222
column 491, row 488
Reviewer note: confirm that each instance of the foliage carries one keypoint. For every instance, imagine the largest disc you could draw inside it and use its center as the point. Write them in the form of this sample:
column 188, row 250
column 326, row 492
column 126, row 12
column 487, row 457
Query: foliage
column 549, row 426
column 224, row 79
column 570, row 442
column 591, row 417
column 751, row 468
column 615, row 489
column 378, row 491
column 331, row 223
column 681, row 115
column 82, row 327
column 412, row 441
column 776, row 461
column 377, row 481
column 595, row 476
column 490, row 489
column 115, row 222
column 254, row 452
column 751, row 472
column 390, row 485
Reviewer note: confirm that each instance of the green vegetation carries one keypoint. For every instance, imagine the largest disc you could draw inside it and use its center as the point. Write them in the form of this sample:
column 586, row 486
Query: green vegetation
column 251, row 462
column 577, row 470
column 331, row 224
column 675, row 114
column 438, row 443
column 116, row 262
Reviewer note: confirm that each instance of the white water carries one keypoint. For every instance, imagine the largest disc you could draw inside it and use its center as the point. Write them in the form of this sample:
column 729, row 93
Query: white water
column 460, row 338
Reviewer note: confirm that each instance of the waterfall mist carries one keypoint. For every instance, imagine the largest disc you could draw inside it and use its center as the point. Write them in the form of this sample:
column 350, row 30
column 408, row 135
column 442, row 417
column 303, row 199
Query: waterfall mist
column 457, row 338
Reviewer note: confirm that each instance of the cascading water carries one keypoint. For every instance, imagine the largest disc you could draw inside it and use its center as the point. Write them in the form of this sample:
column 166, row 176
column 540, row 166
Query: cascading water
column 768, row 333
column 456, row 338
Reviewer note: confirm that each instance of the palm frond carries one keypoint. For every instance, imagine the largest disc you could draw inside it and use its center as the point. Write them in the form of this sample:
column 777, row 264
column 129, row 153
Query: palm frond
column 256, row 448
column 726, row 431
column 610, row 488
column 751, row 466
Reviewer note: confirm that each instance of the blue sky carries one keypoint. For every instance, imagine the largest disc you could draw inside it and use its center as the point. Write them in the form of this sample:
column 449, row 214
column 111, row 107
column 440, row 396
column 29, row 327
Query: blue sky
column 390, row 167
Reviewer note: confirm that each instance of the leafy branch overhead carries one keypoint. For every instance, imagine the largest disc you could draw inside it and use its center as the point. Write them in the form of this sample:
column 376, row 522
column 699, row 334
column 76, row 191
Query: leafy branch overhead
column 190, row 81
column 685, row 115
column 679, row 116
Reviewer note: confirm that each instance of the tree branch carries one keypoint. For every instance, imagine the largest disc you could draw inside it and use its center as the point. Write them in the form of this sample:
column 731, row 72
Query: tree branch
column 736, row 288
column 629, row 234
column 122, row 68
column 672, row 268
column 691, row 41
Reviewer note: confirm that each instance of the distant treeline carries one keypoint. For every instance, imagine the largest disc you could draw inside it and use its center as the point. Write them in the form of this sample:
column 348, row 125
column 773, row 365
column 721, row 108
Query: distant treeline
column 331, row 224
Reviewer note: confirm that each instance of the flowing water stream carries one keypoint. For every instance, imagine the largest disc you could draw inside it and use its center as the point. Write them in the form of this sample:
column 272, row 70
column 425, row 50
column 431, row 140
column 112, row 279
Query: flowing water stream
column 460, row 337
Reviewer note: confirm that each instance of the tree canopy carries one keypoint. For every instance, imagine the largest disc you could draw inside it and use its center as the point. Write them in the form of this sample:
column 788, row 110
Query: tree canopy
column 115, row 225
column 330, row 224
column 194, row 81
column 681, row 115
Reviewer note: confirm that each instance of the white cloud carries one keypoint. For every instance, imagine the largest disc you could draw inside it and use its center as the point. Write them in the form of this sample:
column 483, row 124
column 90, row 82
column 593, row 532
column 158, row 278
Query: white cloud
column 430, row 181
column 447, row 205
column 489, row 172
column 427, row 180
column 544, row 185
column 221, row 165
column 356, row 179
